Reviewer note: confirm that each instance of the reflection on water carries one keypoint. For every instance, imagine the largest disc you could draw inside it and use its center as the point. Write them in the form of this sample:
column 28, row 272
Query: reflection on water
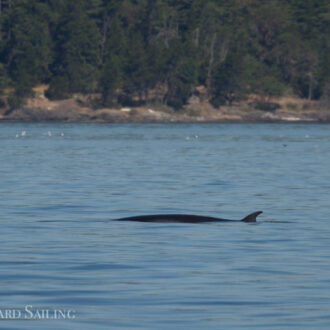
column 62, row 184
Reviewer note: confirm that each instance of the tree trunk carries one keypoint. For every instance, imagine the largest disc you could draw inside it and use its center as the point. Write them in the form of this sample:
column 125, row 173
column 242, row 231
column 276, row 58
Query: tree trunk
column 310, row 87
column 224, row 49
column 196, row 37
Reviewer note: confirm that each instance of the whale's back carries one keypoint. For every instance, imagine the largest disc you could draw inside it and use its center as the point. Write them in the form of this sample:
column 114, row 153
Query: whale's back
column 185, row 218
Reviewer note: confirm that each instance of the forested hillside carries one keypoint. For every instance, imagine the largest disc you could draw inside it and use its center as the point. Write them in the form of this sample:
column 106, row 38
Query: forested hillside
column 137, row 51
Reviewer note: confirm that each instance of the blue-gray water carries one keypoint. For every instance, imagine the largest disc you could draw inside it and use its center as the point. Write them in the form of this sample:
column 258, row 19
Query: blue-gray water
column 62, row 184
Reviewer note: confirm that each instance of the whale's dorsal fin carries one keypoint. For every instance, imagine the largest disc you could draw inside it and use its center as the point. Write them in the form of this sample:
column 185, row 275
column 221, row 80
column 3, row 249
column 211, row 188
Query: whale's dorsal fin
column 252, row 217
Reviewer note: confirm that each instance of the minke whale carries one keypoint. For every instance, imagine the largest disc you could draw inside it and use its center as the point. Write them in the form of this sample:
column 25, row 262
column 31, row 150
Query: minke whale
column 186, row 218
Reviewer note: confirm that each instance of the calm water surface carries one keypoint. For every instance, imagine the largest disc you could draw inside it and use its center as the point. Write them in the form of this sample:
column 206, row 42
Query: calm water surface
column 61, row 185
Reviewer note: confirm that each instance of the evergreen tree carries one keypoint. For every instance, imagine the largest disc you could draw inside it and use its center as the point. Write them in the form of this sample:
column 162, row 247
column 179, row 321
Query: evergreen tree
column 113, row 54
column 27, row 43
column 215, row 38
column 181, row 74
column 226, row 85
column 261, row 79
column 136, row 70
column 75, row 70
column 110, row 81
column 163, row 24
column 134, row 51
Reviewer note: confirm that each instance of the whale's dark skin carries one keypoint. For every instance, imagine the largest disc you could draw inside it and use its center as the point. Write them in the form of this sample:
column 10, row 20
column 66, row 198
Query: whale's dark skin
column 186, row 218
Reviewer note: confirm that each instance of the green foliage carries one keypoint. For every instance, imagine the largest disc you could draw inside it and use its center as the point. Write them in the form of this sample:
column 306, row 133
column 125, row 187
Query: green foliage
column 227, row 83
column 136, row 70
column 58, row 88
column 110, row 80
column 181, row 74
column 27, row 47
column 77, row 41
column 3, row 78
column 261, row 79
column 157, row 51
column 17, row 98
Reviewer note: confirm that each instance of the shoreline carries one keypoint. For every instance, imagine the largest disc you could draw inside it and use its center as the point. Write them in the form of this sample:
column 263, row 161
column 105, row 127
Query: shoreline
column 40, row 109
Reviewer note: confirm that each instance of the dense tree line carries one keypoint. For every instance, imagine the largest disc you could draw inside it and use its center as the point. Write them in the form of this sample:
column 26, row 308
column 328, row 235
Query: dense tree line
column 135, row 51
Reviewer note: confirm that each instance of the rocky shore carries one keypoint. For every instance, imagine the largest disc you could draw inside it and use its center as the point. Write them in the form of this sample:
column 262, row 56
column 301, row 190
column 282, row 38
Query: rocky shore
column 40, row 109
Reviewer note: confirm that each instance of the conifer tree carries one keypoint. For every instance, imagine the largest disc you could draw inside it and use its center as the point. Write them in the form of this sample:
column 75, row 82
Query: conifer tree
column 135, row 51
column 76, row 65
column 27, row 50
